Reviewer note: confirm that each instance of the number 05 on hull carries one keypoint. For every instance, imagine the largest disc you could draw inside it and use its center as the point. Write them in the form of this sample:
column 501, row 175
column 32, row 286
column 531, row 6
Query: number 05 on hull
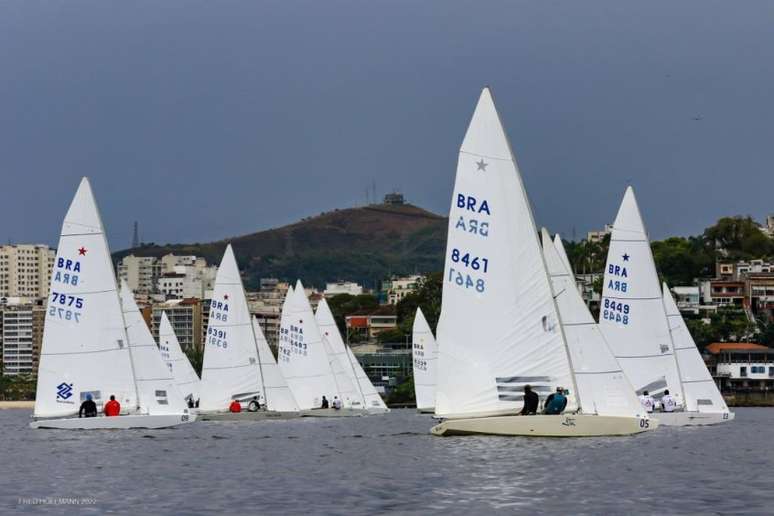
column 568, row 425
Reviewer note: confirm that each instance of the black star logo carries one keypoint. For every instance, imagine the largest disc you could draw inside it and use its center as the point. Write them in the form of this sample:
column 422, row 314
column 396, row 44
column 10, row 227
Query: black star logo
column 625, row 257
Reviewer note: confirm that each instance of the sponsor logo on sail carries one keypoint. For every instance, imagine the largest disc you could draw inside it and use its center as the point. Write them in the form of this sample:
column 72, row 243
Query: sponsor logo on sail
column 64, row 391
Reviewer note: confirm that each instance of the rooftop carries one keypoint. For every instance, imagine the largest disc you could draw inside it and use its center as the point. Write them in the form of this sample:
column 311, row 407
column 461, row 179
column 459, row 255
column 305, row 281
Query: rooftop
column 717, row 347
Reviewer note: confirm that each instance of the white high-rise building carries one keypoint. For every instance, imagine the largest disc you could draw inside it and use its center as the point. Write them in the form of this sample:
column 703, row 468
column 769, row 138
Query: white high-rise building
column 139, row 272
column 21, row 333
column 25, row 270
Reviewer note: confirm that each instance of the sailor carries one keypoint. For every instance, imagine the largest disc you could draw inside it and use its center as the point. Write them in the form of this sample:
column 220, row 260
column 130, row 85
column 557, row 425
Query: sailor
column 324, row 403
column 531, row 401
column 88, row 407
column 112, row 407
column 647, row 401
column 190, row 402
column 254, row 405
column 556, row 402
column 668, row 403
column 336, row 403
column 235, row 407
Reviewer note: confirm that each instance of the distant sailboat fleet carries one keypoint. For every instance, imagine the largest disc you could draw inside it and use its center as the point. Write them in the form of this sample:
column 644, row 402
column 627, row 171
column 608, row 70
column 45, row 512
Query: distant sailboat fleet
column 513, row 329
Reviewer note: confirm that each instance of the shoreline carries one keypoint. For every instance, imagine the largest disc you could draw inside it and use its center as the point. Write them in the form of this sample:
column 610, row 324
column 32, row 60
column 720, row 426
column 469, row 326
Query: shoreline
column 16, row 405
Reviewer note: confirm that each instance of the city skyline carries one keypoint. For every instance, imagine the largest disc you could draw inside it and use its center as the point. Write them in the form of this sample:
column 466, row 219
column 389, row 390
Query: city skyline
column 214, row 132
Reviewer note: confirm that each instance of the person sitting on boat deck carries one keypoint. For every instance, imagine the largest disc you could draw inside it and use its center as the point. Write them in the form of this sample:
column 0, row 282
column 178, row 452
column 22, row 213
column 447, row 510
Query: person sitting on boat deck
column 668, row 403
column 88, row 407
column 235, row 407
column 647, row 402
column 254, row 405
column 324, row 402
column 531, row 401
column 190, row 402
column 555, row 403
column 336, row 403
column 112, row 407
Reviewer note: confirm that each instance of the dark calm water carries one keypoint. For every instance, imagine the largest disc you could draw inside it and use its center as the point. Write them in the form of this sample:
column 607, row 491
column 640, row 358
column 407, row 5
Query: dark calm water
column 384, row 463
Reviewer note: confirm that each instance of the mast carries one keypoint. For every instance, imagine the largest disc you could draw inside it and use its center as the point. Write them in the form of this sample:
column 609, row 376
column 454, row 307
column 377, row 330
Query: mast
column 128, row 345
column 354, row 372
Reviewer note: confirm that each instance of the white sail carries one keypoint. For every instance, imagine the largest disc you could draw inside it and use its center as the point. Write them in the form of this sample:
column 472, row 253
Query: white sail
column 425, row 354
column 373, row 401
column 278, row 395
column 631, row 309
column 230, row 367
column 155, row 384
column 185, row 376
column 498, row 329
column 699, row 389
column 602, row 385
column 343, row 369
column 84, row 348
column 559, row 246
column 301, row 353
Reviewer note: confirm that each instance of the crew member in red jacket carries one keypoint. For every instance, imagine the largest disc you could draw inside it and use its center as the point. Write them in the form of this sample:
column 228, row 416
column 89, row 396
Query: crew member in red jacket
column 235, row 406
column 112, row 407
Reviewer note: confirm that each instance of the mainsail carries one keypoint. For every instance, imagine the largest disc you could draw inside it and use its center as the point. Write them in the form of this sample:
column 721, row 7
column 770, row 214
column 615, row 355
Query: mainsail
column 230, row 370
column 155, row 384
column 499, row 329
column 632, row 311
column 301, row 353
column 425, row 355
column 343, row 369
column 602, row 385
column 185, row 376
column 699, row 389
column 278, row 395
column 84, row 348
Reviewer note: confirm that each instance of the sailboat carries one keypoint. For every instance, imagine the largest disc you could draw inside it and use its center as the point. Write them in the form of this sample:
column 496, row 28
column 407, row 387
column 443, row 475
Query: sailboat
column 425, row 354
column 632, row 314
column 156, row 387
column 186, row 379
column 85, row 350
column 304, row 360
column 704, row 405
column 365, row 396
column 499, row 328
column 232, row 368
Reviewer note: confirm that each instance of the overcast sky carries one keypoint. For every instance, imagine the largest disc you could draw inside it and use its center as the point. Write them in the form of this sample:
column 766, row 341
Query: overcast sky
column 203, row 120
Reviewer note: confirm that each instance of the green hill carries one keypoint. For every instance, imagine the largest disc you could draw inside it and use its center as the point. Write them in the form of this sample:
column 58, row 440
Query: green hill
column 363, row 244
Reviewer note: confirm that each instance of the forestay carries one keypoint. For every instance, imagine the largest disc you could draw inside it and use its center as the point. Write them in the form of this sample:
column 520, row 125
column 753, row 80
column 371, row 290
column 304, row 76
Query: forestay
column 155, row 384
column 84, row 349
column 701, row 393
column 230, row 370
column 186, row 379
column 632, row 312
column 602, row 385
column 301, row 354
column 498, row 329
column 425, row 354
column 278, row 395
column 343, row 370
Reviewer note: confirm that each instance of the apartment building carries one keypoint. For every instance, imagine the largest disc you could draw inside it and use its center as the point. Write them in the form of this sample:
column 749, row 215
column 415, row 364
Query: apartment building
column 21, row 335
column 25, row 270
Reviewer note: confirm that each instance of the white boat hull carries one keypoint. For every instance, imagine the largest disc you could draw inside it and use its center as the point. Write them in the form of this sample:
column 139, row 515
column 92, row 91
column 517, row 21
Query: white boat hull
column 261, row 415
column 150, row 421
column 692, row 418
column 566, row 425
column 329, row 412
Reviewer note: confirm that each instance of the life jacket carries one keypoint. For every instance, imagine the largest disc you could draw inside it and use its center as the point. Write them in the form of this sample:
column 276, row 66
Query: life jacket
column 557, row 404
column 112, row 408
